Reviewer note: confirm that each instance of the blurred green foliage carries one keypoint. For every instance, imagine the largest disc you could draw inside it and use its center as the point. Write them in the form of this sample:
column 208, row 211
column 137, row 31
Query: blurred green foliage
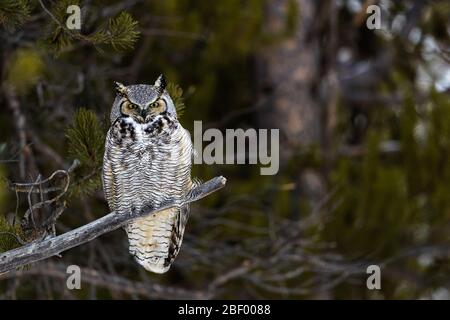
column 3, row 189
column 25, row 69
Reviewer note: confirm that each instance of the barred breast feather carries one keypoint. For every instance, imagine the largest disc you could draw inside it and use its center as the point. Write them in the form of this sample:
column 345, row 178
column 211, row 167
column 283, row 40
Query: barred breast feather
column 144, row 166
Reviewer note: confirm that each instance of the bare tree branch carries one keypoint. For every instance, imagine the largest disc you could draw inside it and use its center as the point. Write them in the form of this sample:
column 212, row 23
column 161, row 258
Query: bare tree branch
column 26, row 154
column 36, row 251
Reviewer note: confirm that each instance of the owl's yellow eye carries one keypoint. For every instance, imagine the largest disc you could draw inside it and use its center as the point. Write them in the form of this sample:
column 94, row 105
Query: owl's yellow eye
column 154, row 104
column 131, row 106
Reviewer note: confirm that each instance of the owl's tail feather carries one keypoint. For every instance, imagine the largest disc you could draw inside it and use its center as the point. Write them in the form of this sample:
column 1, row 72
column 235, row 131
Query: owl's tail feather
column 155, row 240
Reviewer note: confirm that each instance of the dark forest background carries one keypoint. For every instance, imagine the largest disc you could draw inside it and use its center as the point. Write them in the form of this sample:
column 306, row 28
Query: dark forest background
column 364, row 119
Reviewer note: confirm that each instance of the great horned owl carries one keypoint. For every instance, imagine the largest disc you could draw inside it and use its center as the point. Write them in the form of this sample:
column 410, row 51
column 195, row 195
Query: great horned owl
column 147, row 161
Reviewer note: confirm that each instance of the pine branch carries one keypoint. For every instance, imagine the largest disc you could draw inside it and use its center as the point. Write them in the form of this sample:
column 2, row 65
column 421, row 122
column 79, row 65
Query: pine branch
column 86, row 137
column 9, row 235
column 176, row 93
column 13, row 13
column 37, row 251
column 121, row 33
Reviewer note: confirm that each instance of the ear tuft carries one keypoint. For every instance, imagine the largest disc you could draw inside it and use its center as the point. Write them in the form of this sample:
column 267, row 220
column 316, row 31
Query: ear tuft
column 160, row 84
column 121, row 90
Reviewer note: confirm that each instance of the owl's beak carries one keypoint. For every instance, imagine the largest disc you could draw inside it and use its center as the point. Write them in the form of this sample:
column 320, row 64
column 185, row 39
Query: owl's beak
column 143, row 113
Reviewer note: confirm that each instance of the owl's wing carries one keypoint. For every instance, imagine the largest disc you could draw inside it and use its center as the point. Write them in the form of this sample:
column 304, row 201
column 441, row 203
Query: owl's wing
column 107, row 175
column 177, row 234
